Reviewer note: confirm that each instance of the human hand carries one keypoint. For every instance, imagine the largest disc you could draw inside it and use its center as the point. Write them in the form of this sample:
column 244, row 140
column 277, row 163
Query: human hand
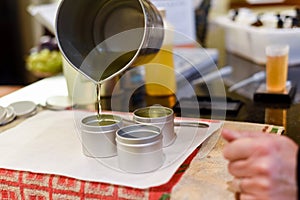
column 264, row 165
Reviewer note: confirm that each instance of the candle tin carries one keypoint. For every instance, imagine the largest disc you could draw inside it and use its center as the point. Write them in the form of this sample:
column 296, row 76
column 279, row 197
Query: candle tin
column 160, row 116
column 139, row 148
column 98, row 135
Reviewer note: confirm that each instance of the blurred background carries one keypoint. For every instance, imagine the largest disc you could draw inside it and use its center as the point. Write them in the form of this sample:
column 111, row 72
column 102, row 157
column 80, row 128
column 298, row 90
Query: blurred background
column 20, row 32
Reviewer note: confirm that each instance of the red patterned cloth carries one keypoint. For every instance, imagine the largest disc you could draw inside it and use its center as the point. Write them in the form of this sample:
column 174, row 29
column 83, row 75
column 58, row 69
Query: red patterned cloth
column 16, row 185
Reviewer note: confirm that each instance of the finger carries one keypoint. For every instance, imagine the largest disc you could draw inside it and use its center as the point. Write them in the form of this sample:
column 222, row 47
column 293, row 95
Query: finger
column 240, row 185
column 240, row 168
column 231, row 135
column 239, row 149
column 235, row 184
column 257, row 186
column 251, row 167
column 243, row 196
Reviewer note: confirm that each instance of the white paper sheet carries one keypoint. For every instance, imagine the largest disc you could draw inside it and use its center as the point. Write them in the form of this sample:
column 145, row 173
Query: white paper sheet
column 45, row 14
column 50, row 143
column 180, row 13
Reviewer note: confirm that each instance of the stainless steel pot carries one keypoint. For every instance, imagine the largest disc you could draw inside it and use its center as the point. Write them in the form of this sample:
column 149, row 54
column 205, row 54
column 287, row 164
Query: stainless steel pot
column 102, row 38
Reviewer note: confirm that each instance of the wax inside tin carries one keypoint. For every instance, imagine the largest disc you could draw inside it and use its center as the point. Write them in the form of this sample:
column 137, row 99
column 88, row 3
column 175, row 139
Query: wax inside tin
column 153, row 112
column 102, row 123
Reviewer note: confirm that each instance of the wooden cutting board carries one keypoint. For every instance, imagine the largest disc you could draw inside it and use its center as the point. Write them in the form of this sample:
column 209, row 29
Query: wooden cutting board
column 208, row 178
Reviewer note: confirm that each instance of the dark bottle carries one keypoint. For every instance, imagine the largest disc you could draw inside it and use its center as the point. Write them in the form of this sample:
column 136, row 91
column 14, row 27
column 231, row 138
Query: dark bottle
column 235, row 14
column 295, row 22
column 279, row 21
column 297, row 12
column 201, row 19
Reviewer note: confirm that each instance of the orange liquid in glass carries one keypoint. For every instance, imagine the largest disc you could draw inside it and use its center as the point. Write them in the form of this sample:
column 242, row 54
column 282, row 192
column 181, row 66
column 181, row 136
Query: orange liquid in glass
column 276, row 68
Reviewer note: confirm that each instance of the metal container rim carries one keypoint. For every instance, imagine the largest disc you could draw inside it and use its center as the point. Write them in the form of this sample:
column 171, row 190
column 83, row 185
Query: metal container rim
column 161, row 119
column 156, row 134
column 86, row 127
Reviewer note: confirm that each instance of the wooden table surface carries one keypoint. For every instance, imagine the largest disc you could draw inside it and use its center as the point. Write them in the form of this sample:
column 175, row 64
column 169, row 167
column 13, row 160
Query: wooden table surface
column 208, row 178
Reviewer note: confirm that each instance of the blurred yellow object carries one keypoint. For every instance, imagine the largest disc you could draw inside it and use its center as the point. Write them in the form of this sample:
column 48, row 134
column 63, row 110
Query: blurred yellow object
column 44, row 63
column 160, row 76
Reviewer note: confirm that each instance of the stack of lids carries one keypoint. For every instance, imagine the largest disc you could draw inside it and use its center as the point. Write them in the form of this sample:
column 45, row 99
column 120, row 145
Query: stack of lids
column 17, row 109
column 23, row 109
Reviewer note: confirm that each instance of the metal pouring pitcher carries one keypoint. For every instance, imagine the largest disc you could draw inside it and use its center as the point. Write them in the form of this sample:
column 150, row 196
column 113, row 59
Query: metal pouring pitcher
column 102, row 38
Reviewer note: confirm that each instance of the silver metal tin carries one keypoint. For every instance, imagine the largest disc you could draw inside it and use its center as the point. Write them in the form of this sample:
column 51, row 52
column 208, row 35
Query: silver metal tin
column 102, row 38
column 139, row 148
column 98, row 140
column 160, row 116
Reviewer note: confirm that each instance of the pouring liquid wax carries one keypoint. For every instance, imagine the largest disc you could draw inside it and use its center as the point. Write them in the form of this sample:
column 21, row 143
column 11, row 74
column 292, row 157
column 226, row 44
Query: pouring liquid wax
column 101, row 39
column 119, row 60
column 112, row 36
column 98, row 103
column 102, row 120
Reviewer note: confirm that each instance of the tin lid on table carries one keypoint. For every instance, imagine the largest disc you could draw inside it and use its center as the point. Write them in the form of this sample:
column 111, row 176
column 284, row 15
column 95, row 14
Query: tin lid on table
column 17, row 109
column 9, row 117
column 3, row 112
column 24, row 108
column 59, row 103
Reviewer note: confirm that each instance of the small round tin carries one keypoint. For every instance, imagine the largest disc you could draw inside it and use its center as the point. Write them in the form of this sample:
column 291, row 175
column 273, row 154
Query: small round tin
column 98, row 135
column 160, row 116
column 139, row 148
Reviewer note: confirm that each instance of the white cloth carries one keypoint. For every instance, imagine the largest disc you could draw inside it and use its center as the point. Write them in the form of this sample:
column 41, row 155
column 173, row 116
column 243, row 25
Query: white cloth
column 49, row 142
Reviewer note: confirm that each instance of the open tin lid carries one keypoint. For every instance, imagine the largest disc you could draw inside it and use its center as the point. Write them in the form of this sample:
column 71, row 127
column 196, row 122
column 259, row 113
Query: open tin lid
column 28, row 108
column 10, row 116
column 17, row 109
column 24, row 108
column 3, row 113
column 59, row 103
